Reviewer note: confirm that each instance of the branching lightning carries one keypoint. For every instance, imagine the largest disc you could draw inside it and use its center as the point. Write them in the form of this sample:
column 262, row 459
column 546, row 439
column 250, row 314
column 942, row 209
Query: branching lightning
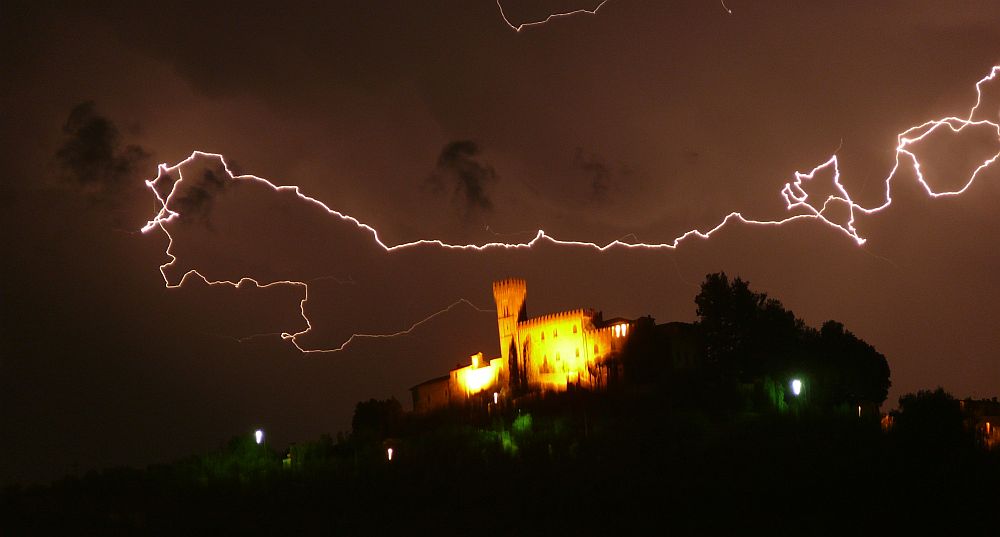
column 795, row 196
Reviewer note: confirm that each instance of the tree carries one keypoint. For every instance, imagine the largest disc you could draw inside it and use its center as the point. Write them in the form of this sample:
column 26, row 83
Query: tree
column 376, row 419
column 855, row 372
column 312, row 454
column 753, row 337
column 725, row 311
column 746, row 333
column 930, row 419
column 240, row 458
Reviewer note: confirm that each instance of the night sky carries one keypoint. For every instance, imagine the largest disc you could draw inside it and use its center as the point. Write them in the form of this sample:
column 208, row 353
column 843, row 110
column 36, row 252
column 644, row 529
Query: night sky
column 436, row 120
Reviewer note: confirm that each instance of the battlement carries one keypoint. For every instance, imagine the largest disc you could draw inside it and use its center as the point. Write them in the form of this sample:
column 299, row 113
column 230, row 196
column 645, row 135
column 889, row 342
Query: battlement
column 509, row 295
column 510, row 284
column 568, row 315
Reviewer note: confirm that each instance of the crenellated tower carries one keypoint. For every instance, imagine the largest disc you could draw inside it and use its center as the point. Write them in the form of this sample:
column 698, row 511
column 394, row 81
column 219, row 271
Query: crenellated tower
column 509, row 295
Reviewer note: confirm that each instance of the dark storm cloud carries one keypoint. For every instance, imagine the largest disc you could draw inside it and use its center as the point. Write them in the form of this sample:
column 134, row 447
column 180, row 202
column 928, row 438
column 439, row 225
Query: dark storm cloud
column 93, row 155
column 597, row 171
column 459, row 170
column 196, row 202
column 600, row 175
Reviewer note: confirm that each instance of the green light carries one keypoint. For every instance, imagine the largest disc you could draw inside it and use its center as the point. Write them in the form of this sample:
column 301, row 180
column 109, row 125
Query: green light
column 522, row 424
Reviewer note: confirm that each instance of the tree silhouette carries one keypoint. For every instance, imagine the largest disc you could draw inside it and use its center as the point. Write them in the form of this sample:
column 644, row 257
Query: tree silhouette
column 376, row 419
column 854, row 371
column 930, row 419
column 746, row 333
column 753, row 338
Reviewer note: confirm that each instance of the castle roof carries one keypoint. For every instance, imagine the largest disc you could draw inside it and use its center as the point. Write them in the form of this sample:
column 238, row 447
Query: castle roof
column 435, row 380
column 613, row 321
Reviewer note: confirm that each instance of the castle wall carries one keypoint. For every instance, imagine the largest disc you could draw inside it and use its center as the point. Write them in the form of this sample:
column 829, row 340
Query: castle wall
column 606, row 342
column 566, row 349
column 479, row 376
column 609, row 340
column 555, row 350
column 431, row 395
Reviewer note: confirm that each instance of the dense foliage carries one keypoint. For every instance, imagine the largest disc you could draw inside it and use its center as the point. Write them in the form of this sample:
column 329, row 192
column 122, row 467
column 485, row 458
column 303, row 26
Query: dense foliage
column 751, row 337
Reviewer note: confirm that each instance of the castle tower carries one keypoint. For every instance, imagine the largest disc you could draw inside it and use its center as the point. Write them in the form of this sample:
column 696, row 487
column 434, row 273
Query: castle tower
column 509, row 295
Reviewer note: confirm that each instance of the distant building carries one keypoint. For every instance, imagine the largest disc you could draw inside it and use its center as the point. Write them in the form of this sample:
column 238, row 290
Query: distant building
column 431, row 394
column 551, row 353
column 982, row 416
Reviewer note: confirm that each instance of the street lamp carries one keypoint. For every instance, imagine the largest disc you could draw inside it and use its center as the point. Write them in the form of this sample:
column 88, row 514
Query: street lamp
column 796, row 387
column 258, row 435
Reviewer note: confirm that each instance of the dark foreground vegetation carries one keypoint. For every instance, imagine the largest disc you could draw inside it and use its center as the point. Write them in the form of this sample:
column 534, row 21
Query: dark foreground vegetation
column 719, row 446
column 597, row 464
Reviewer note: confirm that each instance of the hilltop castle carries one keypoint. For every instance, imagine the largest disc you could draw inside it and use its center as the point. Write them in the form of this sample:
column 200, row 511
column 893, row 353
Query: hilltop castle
column 551, row 353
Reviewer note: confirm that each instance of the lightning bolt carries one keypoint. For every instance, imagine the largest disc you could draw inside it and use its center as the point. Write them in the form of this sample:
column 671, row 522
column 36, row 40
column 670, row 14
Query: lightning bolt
column 519, row 27
column 523, row 25
column 795, row 196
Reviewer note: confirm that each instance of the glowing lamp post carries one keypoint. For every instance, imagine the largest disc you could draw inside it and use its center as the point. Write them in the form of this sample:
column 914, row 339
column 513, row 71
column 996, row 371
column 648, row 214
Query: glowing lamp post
column 388, row 454
column 796, row 387
column 258, row 435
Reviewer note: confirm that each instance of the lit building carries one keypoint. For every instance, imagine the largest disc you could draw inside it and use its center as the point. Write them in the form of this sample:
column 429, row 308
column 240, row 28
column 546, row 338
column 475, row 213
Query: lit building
column 551, row 353
column 982, row 417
